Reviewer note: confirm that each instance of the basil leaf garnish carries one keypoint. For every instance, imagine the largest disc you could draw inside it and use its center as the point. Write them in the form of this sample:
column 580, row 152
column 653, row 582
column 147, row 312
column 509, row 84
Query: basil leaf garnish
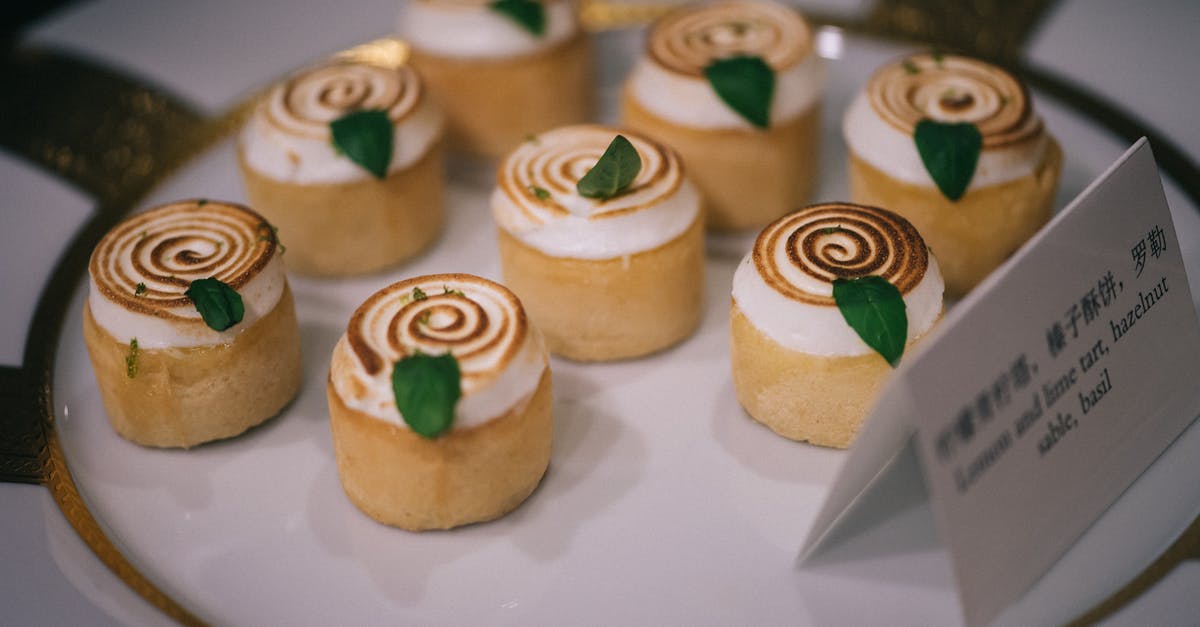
column 615, row 170
column 875, row 310
column 527, row 14
column 131, row 365
column 366, row 138
column 427, row 388
column 219, row 305
column 746, row 84
column 950, row 151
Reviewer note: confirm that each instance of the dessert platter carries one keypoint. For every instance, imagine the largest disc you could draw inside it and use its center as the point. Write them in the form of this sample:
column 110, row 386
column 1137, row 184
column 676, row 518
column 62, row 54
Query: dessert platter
column 661, row 493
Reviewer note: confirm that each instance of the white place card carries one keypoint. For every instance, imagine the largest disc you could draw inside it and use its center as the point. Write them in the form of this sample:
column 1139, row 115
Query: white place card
column 1045, row 393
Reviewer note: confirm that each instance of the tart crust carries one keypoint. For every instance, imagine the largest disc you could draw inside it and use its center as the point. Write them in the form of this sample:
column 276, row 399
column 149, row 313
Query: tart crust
column 181, row 397
column 606, row 309
column 803, row 397
column 974, row 235
column 356, row 227
column 746, row 177
column 492, row 105
column 463, row 476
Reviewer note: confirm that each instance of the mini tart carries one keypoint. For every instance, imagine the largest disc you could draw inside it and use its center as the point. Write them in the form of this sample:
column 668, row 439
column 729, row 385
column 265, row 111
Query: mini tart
column 186, row 384
column 335, row 217
column 1012, row 191
column 604, row 279
column 497, row 448
column 497, row 82
column 798, row 367
column 748, row 176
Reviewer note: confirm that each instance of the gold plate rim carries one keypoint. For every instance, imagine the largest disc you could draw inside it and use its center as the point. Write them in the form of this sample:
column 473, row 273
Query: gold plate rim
column 31, row 384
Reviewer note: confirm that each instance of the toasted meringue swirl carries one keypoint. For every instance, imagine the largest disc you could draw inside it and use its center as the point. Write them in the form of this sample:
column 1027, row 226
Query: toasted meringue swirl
column 879, row 123
column 481, row 323
column 785, row 284
column 307, row 102
column 537, row 202
column 688, row 41
column 801, row 254
column 954, row 89
column 557, row 160
column 140, row 270
column 289, row 136
column 471, row 29
column 669, row 79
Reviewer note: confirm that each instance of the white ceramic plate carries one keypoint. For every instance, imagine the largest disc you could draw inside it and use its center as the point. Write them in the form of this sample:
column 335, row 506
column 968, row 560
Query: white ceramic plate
column 664, row 502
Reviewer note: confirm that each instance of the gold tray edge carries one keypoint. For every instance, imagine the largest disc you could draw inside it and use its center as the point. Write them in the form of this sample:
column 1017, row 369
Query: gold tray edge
column 905, row 20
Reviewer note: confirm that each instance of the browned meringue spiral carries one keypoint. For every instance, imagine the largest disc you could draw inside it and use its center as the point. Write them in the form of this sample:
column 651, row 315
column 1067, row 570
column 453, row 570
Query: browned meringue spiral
column 687, row 41
column 146, row 263
column 954, row 89
column 540, row 175
column 480, row 322
column 307, row 102
column 800, row 254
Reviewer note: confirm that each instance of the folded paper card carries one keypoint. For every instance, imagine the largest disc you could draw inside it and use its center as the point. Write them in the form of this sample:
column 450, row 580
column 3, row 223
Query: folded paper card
column 1045, row 393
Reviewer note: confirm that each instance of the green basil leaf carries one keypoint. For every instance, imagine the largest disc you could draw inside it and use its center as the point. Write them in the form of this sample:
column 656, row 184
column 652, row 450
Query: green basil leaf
column 427, row 388
column 950, row 151
column 615, row 170
column 131, row 366
column 219, row 305
column 746, row 84
column 366, row 138
column 528, row 14
column 875, row 310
